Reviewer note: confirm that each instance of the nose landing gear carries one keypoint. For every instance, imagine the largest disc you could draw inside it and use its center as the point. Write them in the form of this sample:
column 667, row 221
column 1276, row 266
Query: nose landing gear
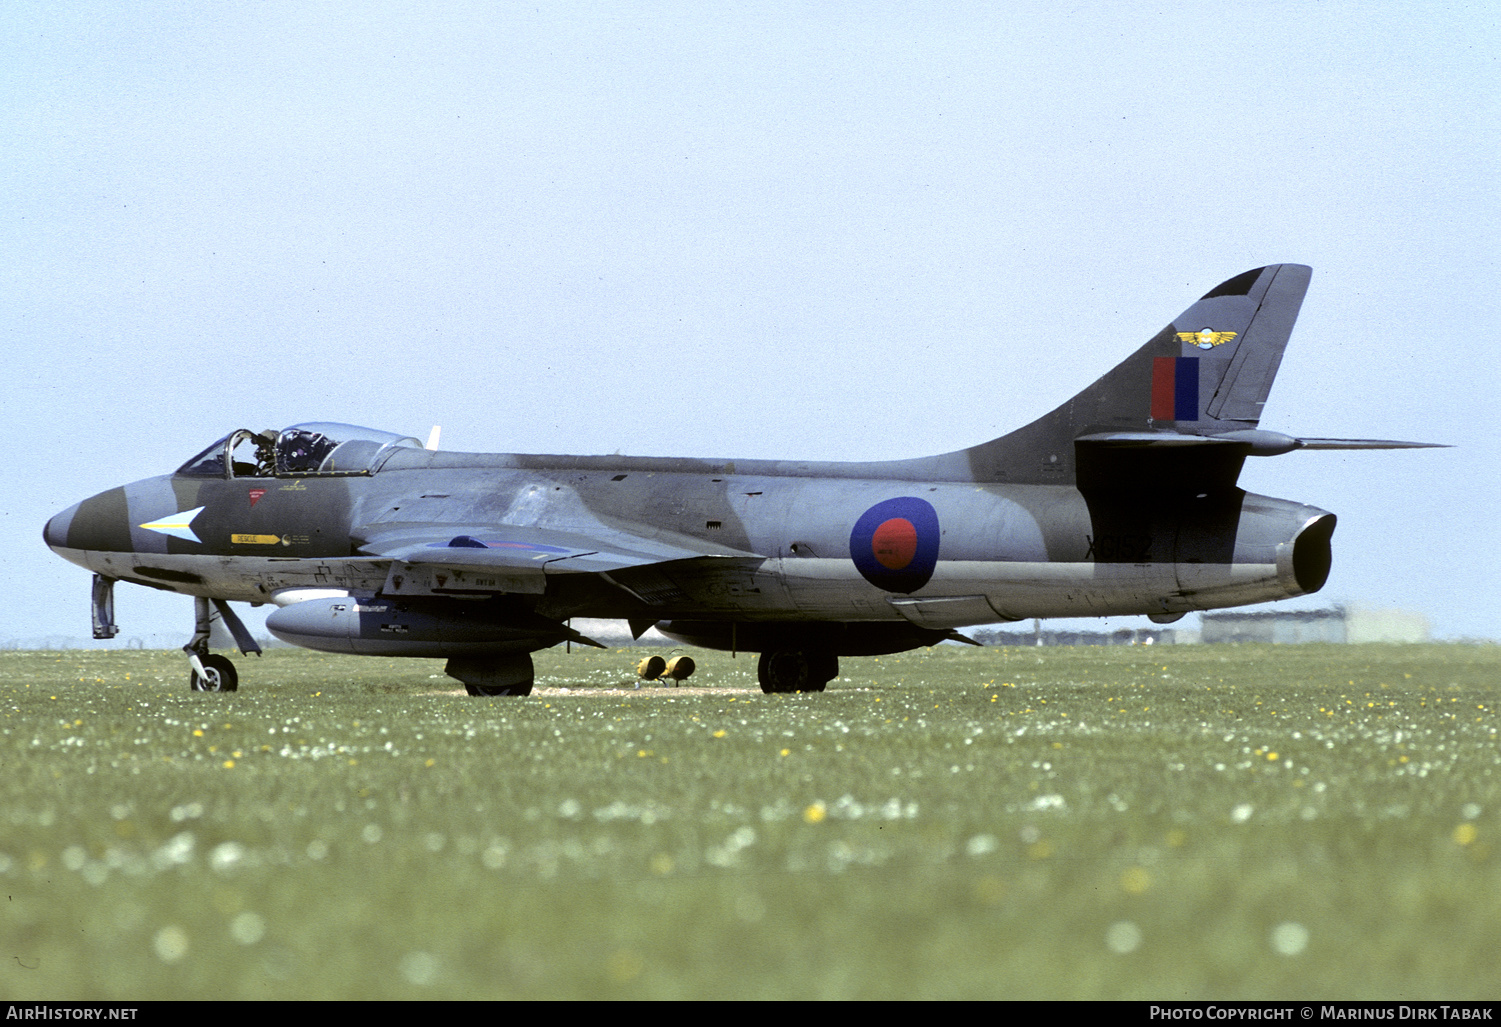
column 210, row 672
column 213, row 673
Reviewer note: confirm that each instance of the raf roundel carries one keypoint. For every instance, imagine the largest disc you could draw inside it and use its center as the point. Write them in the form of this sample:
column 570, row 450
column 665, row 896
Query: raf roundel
column 895, row 544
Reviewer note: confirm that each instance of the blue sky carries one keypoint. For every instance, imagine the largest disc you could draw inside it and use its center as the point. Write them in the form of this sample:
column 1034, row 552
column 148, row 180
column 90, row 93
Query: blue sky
column 824, row 231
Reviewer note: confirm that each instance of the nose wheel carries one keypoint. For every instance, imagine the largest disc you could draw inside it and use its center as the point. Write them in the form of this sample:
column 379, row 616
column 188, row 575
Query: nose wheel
column 211, row 672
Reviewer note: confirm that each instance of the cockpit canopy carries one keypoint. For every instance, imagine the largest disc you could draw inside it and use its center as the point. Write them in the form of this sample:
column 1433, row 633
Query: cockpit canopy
column 319, row 448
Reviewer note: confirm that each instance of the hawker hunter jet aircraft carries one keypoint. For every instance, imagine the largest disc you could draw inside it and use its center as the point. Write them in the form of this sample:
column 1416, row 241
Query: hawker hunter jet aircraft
column 1121, row 501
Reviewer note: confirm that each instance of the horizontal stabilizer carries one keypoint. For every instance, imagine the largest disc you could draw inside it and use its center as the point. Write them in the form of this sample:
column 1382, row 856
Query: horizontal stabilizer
column 1140, row 439
column 1256, row 442
column 1366, row 444
column 1165, row 460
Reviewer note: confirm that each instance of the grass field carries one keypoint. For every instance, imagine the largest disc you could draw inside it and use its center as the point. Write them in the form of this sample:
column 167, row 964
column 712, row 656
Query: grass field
column 1123, row 822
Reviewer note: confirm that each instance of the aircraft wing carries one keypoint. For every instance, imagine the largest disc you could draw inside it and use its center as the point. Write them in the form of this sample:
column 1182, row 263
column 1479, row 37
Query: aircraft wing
column 520, row 558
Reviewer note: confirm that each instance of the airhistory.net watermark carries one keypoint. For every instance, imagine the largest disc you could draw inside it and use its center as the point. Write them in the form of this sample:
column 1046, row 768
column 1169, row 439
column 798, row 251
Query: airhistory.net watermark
column 39, row 1011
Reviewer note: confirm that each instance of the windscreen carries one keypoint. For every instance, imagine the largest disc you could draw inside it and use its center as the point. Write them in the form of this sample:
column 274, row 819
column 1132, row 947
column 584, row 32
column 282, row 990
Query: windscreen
column 209, row 463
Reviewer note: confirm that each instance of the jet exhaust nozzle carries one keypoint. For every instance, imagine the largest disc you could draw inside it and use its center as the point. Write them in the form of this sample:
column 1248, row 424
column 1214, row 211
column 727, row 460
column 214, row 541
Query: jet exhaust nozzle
column 1312, row 555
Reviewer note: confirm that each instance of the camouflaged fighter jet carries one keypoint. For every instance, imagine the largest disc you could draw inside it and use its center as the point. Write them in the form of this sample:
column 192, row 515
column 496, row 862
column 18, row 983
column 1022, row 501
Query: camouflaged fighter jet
column 1121, row 501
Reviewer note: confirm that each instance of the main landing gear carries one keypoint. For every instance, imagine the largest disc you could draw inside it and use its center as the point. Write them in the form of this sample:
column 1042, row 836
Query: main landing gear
column 488, row 676
column 796, row 670
column 211, row 672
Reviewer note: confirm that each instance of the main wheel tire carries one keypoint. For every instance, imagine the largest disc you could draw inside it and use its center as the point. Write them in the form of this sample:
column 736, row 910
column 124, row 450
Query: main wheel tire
column 490, row 676
column 219, row 675
column 824, row 667
column 796, row 670
column 490, row 691
column 784, row 670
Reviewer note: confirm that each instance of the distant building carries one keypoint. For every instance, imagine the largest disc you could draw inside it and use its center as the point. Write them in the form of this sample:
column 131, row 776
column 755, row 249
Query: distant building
column 1338, row 624
column 1363, row 625
column 1283, row 626
column 1052, row 636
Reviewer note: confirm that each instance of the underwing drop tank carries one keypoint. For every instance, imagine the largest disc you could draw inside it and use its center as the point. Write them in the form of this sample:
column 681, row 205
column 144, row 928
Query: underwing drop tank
column 440, row 628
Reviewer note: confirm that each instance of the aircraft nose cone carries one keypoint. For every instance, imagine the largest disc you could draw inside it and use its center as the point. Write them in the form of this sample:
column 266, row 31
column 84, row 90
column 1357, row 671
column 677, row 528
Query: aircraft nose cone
column 98, row 524
column 55, row 534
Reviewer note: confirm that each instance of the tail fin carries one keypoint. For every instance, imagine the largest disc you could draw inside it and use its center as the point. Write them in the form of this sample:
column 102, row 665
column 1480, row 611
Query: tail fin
column 1206, row 374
